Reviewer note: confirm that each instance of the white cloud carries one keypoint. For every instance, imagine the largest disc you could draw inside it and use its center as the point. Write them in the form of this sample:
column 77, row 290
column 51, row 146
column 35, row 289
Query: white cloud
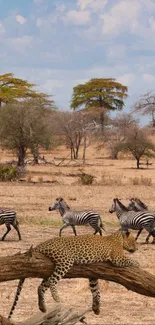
column 39, row 22
column 20, row 43
column 148, row 77
column 20, row 19
column 2, row 29
column 38, row 1
column 95, row 5
column 123, row 15
column 126, row 79
column 78, row 17
column 60, row 7
column 84, row 3
column 116, row 51
column 152, row 23
column 52, row 84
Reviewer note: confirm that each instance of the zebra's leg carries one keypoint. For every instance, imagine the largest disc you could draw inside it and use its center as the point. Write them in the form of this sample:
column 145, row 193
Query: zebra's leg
column 17, row 229
column 8, row 230
column 138, row 233
column 73, row 227
column 98, row 229
column 152, row 233
column 94, row 287
column 147, row 238
column 63, row 227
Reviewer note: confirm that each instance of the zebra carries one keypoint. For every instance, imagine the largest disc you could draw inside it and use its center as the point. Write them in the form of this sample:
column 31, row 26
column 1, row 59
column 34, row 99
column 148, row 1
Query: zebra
column 8, row 217
column 137, row 205
column 134, row 220
column 72, row 218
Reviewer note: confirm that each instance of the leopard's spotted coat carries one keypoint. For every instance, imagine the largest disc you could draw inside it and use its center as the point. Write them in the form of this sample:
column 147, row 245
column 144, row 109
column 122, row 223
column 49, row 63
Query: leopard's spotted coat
column 66, row 251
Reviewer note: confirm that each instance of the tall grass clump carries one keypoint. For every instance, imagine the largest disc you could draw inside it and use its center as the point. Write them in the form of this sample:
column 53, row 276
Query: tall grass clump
column 86, row 179
column 146, row 181
column 108, row 179
column 10, row 173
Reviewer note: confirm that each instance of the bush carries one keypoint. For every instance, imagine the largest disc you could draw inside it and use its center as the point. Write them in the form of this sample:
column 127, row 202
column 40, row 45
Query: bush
column 86, row 179
column 146, row 181
column 108, row 179
column 10, row 173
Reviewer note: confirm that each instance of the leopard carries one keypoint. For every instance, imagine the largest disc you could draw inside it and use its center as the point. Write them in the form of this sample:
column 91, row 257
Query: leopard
column 83, row 249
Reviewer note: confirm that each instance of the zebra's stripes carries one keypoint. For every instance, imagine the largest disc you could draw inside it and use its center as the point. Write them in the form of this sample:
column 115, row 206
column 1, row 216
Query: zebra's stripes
column 137, row 205
column 73, row 218
column 8, row 217
column 134, row 220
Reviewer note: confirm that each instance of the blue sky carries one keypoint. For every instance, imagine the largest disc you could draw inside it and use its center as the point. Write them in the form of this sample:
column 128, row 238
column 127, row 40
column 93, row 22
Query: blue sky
column 58, row 44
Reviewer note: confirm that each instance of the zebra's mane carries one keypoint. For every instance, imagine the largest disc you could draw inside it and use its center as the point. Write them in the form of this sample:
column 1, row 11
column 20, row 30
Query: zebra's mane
column 142, row 204
column 121, row 205
column 63, row 203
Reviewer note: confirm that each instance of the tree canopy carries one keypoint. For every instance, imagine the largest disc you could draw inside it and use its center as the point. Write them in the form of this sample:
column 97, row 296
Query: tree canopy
column 138, row 144
column 25, row 125
column 13, row 89
column 105, row 94
column 146, row 106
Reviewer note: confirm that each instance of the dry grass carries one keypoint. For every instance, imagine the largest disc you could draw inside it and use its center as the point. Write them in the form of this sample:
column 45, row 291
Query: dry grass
column 31, row 201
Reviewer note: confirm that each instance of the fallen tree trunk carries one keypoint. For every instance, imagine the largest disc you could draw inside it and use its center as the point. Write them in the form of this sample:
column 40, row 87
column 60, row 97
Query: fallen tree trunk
column 37, row 265
column 55, row 316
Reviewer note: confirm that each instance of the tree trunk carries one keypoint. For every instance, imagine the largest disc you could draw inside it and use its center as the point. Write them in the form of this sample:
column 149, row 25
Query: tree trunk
column 55, row 316
column 138, row 162
column 102, row 121
column 21, row 155
column 84, row 148
column 35, row 154
column 36, row 265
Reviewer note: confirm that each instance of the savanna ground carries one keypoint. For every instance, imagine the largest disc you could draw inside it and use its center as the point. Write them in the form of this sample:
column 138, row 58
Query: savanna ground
column 31, row 200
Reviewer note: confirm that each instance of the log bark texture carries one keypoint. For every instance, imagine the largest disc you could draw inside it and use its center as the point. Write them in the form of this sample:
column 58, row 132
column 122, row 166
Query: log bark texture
column 36, row 265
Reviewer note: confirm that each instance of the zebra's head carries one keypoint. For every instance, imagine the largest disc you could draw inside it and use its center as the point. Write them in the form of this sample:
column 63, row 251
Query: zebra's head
column 132, row 205
column 113, row 207
column 117, row 205
column 60, row 205
column 140, row 204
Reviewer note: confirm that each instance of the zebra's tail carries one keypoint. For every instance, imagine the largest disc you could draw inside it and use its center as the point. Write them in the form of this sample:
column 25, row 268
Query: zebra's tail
column 19, row 288
column 101, row 224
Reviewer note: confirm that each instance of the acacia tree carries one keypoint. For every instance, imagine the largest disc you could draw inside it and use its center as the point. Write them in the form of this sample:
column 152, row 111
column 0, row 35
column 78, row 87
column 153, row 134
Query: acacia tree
column 138, row 144
column 25, row 125
column 146, row 106
column 115, row 133
column 14, row 89
column 77, row 128
column 101, row 95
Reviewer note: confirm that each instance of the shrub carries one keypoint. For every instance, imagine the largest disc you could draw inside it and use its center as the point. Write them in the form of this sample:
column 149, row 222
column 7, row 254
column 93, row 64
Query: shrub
column 146, row 181
column 108, row 179
column 86, row 179
column 10, row 173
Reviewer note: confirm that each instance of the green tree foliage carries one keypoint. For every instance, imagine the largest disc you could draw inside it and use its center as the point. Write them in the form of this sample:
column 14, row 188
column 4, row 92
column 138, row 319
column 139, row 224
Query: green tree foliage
column 99, row 94
column 25, row 125
column 13, row 89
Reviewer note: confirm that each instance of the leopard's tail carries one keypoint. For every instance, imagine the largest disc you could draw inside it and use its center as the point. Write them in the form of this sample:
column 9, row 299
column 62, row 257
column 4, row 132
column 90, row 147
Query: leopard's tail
column 19, row 288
